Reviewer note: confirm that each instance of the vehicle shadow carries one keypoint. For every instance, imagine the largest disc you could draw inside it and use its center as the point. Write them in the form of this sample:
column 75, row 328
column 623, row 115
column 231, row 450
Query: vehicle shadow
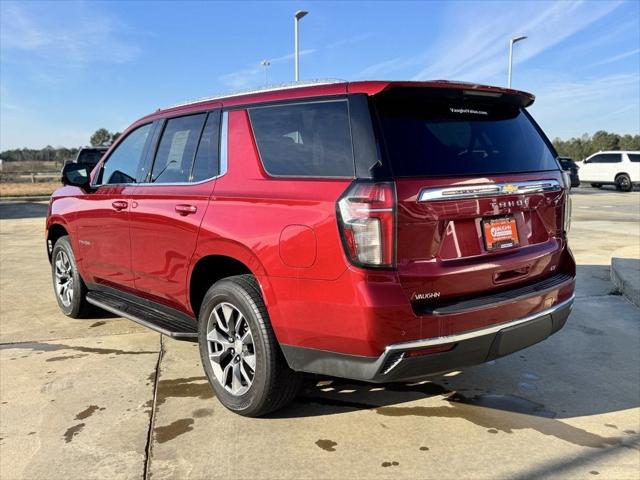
column 18, row 210
column 590, row 367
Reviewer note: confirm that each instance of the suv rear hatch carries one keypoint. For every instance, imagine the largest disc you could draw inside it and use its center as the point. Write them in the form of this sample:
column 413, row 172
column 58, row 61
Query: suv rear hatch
column 480, row 198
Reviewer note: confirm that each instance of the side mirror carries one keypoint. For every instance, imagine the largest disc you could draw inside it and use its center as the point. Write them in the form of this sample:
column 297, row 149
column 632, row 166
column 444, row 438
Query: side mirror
column 75, row 175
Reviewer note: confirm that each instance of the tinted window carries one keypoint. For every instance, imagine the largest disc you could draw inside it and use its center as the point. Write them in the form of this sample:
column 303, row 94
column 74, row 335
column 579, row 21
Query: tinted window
column 307, row 140
column 122, row 164
column 177, row 149
column 427, row 136
column 606, row 158
column 90, row 157
column 206, row 163
column 634, row 157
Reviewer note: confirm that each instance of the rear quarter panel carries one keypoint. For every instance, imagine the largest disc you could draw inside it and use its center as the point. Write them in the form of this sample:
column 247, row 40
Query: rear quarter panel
column 263, row 221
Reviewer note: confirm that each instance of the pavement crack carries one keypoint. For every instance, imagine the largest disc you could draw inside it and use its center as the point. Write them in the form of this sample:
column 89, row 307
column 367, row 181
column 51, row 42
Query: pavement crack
column 152, row 414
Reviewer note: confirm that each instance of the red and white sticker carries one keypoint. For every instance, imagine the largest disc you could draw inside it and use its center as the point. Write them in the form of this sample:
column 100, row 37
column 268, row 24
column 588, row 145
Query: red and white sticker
column 500, row 233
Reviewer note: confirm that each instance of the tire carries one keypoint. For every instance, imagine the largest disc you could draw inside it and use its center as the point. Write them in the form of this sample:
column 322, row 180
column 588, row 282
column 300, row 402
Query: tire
column 231, row 308
column 596, row 185
column 68, row 286
column 623, row 183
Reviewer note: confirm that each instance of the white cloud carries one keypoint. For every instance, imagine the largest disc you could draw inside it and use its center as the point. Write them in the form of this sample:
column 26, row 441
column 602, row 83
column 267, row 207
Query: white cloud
column 83, row 37
column 253, row 74
column 569, row 108
column 620, row 56
column 476, row 50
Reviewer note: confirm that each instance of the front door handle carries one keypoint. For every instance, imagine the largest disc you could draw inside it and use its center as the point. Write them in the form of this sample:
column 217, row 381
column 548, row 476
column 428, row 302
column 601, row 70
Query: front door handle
column 185, row 210
column 119, row 205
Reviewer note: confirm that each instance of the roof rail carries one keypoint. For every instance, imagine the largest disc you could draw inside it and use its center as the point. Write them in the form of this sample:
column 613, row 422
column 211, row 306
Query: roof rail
column 268, row 88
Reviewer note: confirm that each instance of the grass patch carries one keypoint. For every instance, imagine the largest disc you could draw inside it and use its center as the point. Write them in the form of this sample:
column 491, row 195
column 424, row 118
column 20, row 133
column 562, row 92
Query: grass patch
column 14, row 189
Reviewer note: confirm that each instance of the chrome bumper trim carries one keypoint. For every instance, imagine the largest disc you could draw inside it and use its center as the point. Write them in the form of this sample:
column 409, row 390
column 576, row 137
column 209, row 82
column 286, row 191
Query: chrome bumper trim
column 459, row 337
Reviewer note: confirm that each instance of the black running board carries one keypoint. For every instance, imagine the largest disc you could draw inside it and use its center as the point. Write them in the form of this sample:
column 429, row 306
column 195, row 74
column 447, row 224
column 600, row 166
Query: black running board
column 174, row 326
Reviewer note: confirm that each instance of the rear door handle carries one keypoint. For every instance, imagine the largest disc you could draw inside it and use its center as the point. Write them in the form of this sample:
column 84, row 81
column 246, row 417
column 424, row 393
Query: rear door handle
column 185, row 210
column 119, row 205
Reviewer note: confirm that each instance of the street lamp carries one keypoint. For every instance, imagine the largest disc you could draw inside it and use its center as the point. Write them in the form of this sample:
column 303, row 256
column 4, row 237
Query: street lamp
column 299, row 14
column 513, row 40
column 266, row 64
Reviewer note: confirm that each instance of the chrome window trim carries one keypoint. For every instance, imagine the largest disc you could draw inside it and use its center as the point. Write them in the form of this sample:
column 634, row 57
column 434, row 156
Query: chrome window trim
column 488, row 190
column 224, row 147
column 224, row 129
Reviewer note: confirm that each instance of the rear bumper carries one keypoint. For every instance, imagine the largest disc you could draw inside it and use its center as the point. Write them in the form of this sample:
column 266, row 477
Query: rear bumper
column 467, row 348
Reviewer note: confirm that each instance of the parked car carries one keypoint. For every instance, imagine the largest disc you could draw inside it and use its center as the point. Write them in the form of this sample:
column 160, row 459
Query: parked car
column 90, row 156
column 619, row 168
column 377, row 231
column 568, row 165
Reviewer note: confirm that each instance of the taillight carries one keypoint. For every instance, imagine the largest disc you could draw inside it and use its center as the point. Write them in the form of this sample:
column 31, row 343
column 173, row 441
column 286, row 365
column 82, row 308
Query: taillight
column 366, row 217
column 567, row 213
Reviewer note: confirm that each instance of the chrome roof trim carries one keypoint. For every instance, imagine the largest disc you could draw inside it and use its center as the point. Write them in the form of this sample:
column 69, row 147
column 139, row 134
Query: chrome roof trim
column 487, row 190
column 268, row 88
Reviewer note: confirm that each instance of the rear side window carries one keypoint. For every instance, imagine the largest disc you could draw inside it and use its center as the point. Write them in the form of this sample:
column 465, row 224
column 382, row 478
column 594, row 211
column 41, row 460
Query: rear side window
column 430, row 136
column 122, row 165
column 634, row 157
column 606, row 158
column 307, row 139
column 177, row 149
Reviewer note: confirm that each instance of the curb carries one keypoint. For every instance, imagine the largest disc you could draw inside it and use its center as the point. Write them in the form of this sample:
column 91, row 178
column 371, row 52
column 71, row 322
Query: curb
column 625, row 275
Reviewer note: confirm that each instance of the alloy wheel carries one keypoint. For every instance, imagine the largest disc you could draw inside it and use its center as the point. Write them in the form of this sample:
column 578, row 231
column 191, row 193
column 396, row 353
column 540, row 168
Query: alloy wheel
column 64, row 278
column 231, row 349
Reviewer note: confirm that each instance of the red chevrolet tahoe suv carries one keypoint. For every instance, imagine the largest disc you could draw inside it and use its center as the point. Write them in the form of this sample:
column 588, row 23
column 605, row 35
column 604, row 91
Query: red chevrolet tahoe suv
column 378, row 231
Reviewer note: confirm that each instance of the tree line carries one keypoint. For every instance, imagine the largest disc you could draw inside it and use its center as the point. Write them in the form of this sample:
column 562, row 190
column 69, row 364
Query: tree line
column 580, row 148
column 576, row 148
column 102, row 136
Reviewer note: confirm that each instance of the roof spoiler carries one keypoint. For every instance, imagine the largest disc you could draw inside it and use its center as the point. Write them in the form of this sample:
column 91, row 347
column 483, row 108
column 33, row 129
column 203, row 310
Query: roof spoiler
column 468, row 90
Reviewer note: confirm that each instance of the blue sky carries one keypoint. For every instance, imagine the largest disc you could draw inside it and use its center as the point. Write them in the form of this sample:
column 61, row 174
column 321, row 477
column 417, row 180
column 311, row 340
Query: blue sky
column 68, row 68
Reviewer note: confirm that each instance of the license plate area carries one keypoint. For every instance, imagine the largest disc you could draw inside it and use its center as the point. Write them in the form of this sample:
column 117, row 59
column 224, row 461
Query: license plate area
column 500, row 233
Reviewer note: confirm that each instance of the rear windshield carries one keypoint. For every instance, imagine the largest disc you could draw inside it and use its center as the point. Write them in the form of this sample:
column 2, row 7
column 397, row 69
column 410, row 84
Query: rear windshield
column 440, row 137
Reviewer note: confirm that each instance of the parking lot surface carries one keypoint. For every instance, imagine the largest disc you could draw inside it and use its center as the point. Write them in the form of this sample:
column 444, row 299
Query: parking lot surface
column 105, row 398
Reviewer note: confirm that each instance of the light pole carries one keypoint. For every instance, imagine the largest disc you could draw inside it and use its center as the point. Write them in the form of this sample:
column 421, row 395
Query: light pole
column 513, row 40
column 298, row 16
column 266, row 64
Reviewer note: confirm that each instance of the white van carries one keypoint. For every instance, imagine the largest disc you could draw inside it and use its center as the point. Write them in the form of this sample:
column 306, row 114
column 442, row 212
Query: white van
column 619, row 168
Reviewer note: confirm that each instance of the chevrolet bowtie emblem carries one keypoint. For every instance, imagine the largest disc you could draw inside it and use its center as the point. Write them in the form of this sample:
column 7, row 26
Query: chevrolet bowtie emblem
column 509, row 188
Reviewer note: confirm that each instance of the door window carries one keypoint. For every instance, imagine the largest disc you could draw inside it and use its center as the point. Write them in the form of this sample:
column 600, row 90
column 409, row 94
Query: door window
column 606, row 158
column 122, row 165
column 634, row 157
column 177, row 149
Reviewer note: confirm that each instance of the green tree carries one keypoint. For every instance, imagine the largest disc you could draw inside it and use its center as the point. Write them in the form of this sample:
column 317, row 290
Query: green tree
column 602, row 140
column 100, row 136
column 630, row 142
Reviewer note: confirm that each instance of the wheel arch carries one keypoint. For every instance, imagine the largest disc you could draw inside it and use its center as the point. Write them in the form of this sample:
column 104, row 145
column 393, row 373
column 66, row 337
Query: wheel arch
column 54, row 232
column 222, row 259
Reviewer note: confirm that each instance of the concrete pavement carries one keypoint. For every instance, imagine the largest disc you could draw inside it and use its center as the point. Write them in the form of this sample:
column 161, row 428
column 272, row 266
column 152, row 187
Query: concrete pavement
column 104, row 398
